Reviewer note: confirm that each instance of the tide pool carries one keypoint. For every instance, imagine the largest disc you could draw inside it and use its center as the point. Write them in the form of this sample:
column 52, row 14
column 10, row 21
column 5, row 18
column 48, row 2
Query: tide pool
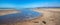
column 25, row 14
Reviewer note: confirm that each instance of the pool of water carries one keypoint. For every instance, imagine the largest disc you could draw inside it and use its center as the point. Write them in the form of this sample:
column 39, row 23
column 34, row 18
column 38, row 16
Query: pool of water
column 24, row 15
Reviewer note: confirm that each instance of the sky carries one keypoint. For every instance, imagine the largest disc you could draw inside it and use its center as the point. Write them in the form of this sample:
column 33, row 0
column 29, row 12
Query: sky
column 29, row 3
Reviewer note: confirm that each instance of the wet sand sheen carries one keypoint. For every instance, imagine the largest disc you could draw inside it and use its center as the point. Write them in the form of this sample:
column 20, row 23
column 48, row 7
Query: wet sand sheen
column 24, row 15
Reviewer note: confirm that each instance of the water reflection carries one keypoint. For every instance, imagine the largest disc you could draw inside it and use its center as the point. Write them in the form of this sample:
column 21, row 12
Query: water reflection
column 24, row 15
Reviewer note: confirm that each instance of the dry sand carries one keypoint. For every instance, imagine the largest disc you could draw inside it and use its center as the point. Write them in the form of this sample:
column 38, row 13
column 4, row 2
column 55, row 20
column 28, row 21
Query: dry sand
column 6, row 12
column 49, row 17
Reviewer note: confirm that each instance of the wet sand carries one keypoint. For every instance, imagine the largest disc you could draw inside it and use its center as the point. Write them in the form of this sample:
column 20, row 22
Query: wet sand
column 48, row 17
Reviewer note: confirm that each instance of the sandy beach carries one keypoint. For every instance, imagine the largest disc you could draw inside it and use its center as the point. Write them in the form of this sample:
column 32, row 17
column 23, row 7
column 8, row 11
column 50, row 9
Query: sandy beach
column 48, row 17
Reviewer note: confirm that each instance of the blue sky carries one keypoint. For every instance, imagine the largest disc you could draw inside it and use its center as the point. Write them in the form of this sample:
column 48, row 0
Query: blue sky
column 29, row 3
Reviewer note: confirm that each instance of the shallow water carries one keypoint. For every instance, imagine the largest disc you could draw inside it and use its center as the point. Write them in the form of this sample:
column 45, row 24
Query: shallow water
column 24, row 15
